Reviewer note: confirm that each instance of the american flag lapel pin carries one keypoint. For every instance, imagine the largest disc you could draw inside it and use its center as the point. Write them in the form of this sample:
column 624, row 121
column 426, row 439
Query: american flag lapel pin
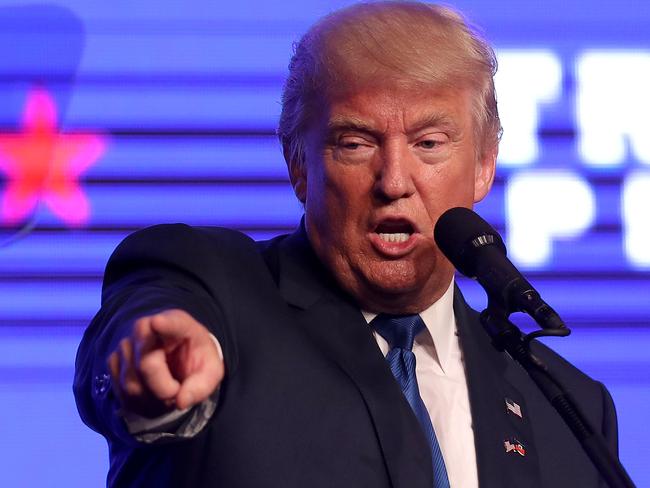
column 513, row 408
column 513, row 445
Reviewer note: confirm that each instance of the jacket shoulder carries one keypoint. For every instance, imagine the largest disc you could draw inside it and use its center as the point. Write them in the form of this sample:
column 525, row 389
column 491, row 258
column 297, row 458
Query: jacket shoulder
column 170, row 238
column 571, row 374
column 177, row 246
column 591, row 396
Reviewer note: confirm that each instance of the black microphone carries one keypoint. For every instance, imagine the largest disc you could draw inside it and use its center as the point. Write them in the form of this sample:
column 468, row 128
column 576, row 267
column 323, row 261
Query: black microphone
column 477, row 251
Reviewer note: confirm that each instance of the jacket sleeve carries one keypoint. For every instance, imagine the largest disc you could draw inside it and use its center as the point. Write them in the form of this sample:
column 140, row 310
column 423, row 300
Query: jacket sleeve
column 163, row 267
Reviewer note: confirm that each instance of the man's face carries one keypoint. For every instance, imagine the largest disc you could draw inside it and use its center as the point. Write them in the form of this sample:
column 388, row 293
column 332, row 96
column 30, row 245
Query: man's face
column 381, row 166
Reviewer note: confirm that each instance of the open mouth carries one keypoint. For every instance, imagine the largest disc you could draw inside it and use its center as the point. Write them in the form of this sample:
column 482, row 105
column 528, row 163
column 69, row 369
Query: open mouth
column 395, row 230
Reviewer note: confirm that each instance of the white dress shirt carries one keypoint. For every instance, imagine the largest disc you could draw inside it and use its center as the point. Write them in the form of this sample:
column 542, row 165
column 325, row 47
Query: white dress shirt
column 440, row 373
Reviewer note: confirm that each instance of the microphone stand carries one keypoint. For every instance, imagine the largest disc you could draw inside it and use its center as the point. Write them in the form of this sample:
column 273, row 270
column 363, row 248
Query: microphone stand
column 507, row 336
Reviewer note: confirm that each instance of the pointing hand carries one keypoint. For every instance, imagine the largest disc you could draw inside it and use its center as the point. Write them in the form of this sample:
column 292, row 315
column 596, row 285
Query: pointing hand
column 169, row 361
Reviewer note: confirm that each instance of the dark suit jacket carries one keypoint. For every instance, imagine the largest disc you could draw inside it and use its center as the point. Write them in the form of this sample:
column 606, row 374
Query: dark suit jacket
column 308, row 399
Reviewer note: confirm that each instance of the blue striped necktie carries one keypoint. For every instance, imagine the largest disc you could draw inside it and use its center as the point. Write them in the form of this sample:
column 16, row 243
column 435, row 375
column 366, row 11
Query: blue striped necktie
column 399, row 331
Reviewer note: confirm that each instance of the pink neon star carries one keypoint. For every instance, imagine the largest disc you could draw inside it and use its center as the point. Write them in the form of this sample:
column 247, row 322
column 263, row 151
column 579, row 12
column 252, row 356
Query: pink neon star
column 43, row 164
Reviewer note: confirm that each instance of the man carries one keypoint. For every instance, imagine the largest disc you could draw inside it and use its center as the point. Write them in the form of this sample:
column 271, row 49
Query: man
column 216, row 361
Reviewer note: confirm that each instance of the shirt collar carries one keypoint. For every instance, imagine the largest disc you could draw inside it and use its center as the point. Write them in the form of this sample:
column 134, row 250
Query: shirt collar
column 440, row 323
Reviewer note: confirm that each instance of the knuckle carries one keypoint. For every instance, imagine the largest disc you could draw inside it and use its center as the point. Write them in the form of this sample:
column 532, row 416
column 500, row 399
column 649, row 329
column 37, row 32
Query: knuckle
column 132, row 388
column 176, row 312
column 148, row 364
column 182, row 317
column 140, row 327
column 125, row 347
column 112, row 363
column 157, row 321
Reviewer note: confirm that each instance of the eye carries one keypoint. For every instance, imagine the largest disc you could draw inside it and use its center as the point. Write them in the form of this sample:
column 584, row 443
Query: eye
column 429, row 144
column 352, row 143
column 350, row 148
column 432, row 141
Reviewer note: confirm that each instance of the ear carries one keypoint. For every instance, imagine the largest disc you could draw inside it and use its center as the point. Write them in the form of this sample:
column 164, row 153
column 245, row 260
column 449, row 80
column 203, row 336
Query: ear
column 485, row 171
column 297, row 173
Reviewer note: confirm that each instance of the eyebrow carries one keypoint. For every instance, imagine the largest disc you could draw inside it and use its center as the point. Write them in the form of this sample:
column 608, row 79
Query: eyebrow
column 441, row 120
column 345, row 122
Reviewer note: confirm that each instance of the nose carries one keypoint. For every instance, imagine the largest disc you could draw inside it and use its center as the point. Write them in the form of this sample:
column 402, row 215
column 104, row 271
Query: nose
column 394, row 178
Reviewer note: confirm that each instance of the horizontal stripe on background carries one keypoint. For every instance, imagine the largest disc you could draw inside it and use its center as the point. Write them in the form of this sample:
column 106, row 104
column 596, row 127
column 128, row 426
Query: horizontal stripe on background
column 160, row 106
column 38, row 347
column 208, row 16
column 70, row 253
column 582, row 302
column 214, row 44
column 256, row 205
column 149, row 106
column 588, row 301
column 200, row 204
column 159, row 156
column 202, row 157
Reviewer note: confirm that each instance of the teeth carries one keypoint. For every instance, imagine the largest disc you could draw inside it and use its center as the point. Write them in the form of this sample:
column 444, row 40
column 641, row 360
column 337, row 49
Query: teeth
column 396, row 237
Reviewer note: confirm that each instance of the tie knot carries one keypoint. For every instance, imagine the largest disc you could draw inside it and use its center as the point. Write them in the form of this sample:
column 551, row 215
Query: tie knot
column 398, row 330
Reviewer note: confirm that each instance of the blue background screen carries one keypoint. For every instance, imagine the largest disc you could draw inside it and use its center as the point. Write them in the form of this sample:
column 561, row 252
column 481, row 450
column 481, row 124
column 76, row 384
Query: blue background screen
column 119, row 115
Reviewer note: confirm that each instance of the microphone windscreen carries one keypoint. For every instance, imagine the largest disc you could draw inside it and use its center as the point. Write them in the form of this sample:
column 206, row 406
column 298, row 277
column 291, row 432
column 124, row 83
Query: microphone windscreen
column 460, row 233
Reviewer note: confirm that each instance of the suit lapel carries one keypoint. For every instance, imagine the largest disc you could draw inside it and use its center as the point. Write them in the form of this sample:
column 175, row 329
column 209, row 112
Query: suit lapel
column 338, row 328
column 340, row 331
column 505, row 448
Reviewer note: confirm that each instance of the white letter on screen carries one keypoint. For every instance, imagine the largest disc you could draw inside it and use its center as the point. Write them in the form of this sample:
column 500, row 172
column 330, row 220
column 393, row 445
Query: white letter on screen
column 636, row 223
column 612, row 106
column 525, row 80
column 541, row 206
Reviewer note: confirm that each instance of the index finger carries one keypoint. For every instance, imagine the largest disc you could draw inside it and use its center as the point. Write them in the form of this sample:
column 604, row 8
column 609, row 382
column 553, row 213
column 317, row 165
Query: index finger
column 174, row 324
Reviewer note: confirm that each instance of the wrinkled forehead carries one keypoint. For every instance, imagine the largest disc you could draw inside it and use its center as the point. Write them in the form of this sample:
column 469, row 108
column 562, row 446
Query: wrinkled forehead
column 386, row 108
column 355, row 73
column 389, row 90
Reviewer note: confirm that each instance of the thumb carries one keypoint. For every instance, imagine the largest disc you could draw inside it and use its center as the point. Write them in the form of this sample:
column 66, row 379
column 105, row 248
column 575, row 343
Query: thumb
column 199, row 386
column 204, row 380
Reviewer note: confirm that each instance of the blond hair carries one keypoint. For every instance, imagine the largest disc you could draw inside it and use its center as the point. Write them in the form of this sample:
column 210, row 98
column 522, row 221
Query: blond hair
column 410, row 44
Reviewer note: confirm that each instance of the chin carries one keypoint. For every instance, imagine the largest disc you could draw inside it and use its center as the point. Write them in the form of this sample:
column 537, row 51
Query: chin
column 393, row 278
column 400, row 286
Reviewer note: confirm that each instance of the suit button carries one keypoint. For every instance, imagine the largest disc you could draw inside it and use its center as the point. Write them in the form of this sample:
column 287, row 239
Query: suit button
column 102, row 383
